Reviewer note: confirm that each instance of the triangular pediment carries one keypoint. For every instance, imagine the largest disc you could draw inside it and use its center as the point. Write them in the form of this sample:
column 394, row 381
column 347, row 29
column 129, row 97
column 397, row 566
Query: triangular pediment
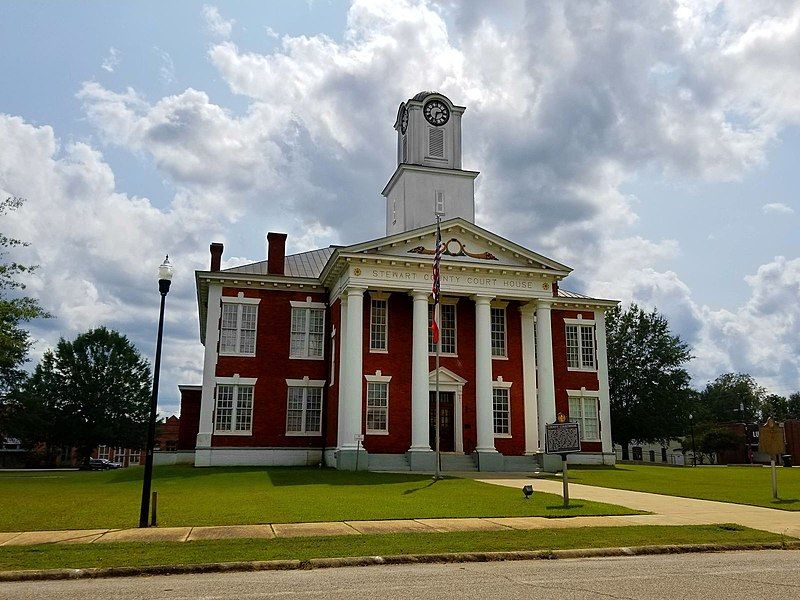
column 446, row 376
column 465, row 242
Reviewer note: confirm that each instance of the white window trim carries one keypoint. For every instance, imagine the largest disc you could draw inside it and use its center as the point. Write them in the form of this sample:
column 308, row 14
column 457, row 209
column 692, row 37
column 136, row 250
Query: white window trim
column 235, row 381
column 333, row 355
column 584, row 393
column 501, row 304
column 385, row 298
column 308, row 304
column 506, row 385
column 305, row 382
column 443, row 301
column 240, row 299
column 379, row 377
column 586, row 323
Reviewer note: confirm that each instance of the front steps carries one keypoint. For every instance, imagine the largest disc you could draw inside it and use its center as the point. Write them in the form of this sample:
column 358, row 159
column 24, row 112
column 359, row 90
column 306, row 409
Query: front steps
column 454, row 462
column 388, row 462
column 458, row 462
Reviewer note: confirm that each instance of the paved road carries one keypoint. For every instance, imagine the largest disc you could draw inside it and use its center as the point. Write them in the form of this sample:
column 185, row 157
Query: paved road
column 732, row 576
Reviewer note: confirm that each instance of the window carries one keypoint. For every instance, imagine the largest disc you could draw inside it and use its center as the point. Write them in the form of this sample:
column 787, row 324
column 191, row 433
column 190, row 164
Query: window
column 584, row 411
column 378, row 325
column 102, row 452
column 502, row 411
column 134, row 457
column 308, row 330
column 580, row 346
column 304, row 407
column 447, row 328
column 119, row 456
column 498, row 332
column 234, row 414
column 438, row 203
column 238, row 330
column 377, row 407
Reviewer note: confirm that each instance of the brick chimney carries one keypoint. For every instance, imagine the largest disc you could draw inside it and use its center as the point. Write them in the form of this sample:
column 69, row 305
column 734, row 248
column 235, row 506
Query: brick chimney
column 216, row 256
column 276, row 252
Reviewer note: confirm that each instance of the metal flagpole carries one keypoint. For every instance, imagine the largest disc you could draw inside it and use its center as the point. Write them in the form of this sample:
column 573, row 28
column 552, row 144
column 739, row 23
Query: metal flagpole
column 437, row 318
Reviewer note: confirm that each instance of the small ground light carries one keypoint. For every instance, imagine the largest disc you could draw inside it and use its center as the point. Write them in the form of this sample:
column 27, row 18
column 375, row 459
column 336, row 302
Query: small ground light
column 527, row 490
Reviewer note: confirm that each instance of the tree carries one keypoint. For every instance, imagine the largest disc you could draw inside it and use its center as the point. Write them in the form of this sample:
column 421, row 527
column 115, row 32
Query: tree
column 97, row 390
column 775, row 406
column 793, row 405
column 731, row 397
column 15, row 309
column 649, row 385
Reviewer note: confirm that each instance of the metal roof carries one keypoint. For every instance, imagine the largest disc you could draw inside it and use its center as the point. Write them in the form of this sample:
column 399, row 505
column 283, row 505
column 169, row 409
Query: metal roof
column 567, row 294
column 303, row 264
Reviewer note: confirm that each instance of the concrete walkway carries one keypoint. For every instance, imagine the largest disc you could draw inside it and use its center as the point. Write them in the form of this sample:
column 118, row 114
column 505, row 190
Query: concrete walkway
column 670, row 510
column 287, row 530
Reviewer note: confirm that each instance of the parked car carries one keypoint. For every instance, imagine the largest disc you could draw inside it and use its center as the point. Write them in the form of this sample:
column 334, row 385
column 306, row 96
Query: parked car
column 101, row 464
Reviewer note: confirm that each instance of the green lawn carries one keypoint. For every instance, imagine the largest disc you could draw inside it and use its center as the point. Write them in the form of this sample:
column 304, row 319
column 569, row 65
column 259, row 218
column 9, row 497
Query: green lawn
column 741, row 485
column 169, row 553
column 246, row 495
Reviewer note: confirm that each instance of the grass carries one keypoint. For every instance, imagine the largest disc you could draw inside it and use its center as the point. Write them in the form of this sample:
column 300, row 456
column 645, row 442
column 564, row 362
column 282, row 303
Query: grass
column 740, row 485
column 245, row 495
column 170, row 553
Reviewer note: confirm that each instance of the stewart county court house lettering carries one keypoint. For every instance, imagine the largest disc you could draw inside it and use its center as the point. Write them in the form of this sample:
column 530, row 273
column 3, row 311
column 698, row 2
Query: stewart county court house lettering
column 326, row 356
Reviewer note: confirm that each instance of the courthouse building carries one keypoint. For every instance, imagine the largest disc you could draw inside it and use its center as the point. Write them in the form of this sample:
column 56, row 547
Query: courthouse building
column 326, row 355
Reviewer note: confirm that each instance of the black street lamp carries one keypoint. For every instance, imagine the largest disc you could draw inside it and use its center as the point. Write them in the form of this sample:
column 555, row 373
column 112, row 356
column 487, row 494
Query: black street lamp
column 694, row 453
column 164, row 279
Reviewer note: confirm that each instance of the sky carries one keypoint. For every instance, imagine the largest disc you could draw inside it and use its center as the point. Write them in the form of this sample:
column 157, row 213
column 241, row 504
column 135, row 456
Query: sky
column 652, row 146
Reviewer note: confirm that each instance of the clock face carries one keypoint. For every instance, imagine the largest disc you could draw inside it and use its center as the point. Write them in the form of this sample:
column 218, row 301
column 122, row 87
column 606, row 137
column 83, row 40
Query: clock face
column 404, row 121
column 436, row 112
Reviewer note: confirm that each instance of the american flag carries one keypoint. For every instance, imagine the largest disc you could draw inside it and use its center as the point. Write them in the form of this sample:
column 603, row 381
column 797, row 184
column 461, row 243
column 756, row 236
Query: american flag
column 437, row 259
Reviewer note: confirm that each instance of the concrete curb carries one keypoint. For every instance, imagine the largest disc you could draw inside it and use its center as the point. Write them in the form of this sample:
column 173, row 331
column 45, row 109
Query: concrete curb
column 363, row 561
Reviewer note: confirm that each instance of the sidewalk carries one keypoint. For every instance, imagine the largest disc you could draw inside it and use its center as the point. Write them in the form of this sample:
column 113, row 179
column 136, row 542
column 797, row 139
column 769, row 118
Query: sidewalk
column 285, row 530
column 671, row 510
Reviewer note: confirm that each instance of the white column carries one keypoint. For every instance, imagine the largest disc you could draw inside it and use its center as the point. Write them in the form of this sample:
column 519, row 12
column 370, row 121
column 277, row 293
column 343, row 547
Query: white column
column 546, row 383
column 483, row 374
column 420, row 395
column 341, row 418
column 602, row 376
column 206, row 425
column 353, row 370
column 532, row 443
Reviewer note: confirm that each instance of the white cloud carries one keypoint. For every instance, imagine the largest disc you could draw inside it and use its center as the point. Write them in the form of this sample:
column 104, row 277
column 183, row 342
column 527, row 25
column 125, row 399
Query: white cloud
column 167, row 69
column 111, row 62
column 777, row 208
column 215, row 24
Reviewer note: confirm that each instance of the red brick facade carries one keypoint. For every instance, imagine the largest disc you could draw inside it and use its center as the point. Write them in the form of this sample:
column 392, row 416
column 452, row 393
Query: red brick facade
column 271, row 366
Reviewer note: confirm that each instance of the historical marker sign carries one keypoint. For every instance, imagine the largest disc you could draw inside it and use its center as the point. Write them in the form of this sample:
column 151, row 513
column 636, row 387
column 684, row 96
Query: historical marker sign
column 770, row 438
column 562, row 438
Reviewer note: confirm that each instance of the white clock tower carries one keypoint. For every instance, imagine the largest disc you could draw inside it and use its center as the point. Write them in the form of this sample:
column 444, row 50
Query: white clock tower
column 429, row 179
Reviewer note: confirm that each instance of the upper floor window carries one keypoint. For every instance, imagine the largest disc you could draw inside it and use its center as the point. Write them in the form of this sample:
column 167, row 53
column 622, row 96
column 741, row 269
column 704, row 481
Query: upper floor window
column 234, row 406
column 585, row 412
column 378, row 324
column 438, row 203
column 498, row 332
column 580, row 345
column 304, row 407
column 308, row 330
column 238, row 328
column 447, row 328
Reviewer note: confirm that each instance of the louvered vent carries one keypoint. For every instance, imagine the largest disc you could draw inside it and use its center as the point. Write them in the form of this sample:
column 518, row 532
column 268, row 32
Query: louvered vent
column 436, row 143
